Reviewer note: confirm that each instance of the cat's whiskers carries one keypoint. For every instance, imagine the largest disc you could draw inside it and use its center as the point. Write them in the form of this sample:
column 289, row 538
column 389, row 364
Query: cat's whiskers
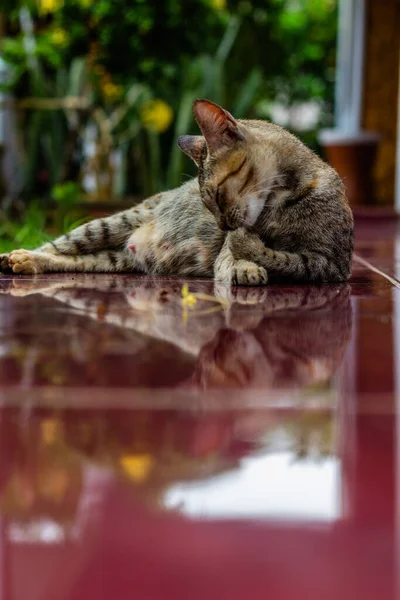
column 261, row 185
column 258, row 185
column 261, row 196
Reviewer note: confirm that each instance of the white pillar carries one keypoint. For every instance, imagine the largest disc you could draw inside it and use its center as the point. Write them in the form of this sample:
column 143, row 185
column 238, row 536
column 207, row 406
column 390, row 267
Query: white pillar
column 350, row 66
column 349, row 77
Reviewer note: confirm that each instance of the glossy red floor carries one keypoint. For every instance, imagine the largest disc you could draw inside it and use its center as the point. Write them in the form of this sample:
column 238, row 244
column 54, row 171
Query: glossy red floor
column 243, row 448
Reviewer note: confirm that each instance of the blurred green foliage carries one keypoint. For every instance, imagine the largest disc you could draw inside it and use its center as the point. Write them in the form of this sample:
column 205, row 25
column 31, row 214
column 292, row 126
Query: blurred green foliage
column 122, row 55
column 29, row 225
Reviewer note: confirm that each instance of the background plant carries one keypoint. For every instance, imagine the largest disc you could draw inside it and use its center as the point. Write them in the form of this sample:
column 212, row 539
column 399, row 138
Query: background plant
column 136, row 66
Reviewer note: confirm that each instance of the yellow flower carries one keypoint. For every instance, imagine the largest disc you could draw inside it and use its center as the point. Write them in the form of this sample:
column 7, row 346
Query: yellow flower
column 59, row 37
column 218, row 4
column 51, row 431
column 49, row 6
column 137, row 466
column 188, row 300
column 112, row 91
column 157, row 115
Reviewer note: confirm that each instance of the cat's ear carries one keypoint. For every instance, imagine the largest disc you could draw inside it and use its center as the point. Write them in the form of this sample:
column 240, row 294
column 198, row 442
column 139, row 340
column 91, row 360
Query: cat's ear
column 218, row 126
column 192, row 145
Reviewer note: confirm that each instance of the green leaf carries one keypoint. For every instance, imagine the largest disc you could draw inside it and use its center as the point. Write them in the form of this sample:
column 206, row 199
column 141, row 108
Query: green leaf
column 35, row 128
column 228, row 39
column 66, row 194
column 248, row 93
column 182, row 126
column 77, row 76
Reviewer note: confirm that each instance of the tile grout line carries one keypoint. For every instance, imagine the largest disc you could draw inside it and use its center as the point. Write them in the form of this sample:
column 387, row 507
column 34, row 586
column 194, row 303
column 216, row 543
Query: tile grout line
column 368, row 265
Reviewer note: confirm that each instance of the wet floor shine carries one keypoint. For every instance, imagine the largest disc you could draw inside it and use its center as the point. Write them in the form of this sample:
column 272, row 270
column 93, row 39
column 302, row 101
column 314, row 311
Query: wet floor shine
column 170, row 439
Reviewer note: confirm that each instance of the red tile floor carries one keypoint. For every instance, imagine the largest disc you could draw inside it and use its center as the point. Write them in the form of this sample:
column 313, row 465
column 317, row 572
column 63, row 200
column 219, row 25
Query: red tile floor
column 240, row 449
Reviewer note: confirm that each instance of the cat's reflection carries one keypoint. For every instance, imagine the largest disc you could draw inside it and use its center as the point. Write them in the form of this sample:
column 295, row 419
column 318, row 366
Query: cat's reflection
column 132, row 332
column 299, row 342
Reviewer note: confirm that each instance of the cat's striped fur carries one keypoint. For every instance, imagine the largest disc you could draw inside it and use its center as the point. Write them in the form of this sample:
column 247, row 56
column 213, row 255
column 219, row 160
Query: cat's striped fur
column 263, row 206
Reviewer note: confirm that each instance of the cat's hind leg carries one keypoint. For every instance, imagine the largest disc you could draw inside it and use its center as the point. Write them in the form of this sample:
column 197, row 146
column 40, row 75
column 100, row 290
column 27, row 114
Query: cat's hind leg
column 108, row 233
column 101, row 234
column 33, row 262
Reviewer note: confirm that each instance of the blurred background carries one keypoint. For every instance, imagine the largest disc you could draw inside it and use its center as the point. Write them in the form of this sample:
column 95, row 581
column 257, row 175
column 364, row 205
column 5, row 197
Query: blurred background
column 94, row 94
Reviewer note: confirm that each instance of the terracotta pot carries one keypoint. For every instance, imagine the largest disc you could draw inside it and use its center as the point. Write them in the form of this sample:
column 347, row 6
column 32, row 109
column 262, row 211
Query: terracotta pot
column 353, row 157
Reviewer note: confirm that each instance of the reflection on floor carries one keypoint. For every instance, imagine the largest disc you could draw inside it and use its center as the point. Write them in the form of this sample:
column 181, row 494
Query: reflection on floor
column 241, row 445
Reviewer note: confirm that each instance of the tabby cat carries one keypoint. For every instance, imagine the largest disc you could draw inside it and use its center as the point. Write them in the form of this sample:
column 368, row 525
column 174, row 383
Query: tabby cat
column 262, row 207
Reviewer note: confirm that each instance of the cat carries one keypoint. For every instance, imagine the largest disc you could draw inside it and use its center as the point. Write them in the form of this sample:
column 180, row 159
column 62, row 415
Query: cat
column 262, row 207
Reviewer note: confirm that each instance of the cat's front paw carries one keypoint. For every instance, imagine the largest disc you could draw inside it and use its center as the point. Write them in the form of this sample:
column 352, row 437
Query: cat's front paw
column 23, row 262
column 248, row 273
